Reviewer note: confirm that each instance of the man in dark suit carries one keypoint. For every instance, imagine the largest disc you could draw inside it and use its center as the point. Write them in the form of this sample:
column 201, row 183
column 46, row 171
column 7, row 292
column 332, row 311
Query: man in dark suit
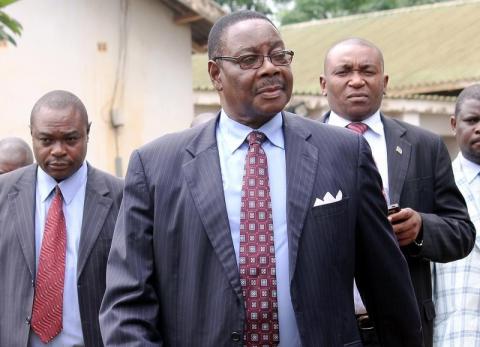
column 432, row 223
column 14, row 153
column 220, row 242
column 57, row 221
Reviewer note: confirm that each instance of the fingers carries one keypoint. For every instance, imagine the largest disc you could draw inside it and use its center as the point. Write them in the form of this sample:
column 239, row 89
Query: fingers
column 406, row 225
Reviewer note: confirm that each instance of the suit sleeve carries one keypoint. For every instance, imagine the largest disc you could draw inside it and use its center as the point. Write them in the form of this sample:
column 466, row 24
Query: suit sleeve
column 129, row 311
column 381, row 271
column 448, row 233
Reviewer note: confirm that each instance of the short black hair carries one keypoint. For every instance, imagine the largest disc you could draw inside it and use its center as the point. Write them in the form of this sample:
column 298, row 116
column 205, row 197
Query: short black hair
column 215, row 42
column 470, row 92
column 59, row 100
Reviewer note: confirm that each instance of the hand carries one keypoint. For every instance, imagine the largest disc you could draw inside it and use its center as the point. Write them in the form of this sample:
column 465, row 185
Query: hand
column 406, row 224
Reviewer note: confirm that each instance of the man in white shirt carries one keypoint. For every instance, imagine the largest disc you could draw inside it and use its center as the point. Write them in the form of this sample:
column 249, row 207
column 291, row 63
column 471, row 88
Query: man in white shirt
column 57, row 221
column 432, row 223
column 456, row 286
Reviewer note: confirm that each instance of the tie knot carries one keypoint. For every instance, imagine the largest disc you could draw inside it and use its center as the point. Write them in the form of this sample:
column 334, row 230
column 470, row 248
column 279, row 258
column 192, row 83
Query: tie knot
column 256, row 137
column 58, row 192
column 358, row 127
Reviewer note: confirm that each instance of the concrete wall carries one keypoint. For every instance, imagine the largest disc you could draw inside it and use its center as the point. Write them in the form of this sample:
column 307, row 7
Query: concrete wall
column 125, row 56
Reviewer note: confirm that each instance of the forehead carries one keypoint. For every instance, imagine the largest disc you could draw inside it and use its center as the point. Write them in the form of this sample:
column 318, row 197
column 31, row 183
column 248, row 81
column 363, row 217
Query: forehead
column 469, row 107
column 250, row 34
column 68, row 118
column 353, row 53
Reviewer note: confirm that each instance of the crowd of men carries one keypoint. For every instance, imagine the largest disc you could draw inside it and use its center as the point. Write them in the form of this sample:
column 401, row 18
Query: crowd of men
column 256, row 227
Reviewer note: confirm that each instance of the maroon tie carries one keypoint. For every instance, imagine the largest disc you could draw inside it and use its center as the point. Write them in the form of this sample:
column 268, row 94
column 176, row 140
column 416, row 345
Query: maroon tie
column 48, row 300
column 358, row 127
column 257, row 250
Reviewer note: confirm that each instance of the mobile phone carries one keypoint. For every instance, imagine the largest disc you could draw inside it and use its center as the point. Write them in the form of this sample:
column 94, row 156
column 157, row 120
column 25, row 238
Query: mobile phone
column 393, row 208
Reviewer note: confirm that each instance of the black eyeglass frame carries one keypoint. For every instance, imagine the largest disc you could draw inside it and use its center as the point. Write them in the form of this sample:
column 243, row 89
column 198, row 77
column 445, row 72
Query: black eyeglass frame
column 236, row 60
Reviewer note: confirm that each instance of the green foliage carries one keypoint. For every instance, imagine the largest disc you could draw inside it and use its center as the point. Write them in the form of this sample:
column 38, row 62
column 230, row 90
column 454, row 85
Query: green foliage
column 254, row 5
column 305, row 10
column 8, row 26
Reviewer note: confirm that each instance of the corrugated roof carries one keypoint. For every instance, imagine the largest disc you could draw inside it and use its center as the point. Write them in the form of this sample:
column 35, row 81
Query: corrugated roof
column 427, row 49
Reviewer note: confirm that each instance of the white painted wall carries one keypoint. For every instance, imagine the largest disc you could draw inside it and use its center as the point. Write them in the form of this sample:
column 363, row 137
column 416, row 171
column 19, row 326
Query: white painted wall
column 59, row 49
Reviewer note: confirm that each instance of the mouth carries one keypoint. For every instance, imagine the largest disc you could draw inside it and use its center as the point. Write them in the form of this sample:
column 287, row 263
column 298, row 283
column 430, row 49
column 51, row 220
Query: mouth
column 270, row 91
column 357, row 97
column 58, row 165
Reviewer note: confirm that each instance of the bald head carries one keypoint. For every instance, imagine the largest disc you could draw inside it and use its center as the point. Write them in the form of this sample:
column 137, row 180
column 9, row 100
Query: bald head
column 354, row 41
column 59, row 100
column 354, row 81
column 14, row 153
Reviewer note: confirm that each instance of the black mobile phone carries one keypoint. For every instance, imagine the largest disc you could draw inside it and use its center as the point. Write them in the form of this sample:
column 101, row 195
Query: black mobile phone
column 393, row 208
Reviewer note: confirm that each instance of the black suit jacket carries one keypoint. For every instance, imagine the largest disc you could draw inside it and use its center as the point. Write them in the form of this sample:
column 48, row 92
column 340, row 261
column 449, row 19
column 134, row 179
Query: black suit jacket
column 172, row 275
column 420, row 177
column 103, row 195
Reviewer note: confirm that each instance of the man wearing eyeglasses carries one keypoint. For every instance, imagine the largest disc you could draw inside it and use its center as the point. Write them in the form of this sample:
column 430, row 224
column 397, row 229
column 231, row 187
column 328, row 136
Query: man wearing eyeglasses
column 246, row 230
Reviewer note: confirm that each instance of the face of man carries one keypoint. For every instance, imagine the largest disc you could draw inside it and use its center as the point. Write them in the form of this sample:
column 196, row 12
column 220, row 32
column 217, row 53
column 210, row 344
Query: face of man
column 354, row 81
column 466, row 127
column 251, row 97
column 59, row 141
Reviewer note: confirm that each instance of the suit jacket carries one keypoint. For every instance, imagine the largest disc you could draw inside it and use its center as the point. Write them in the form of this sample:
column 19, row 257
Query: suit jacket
column 172, row 275
column 103, row 195
column 456, row 289
column 420, row 177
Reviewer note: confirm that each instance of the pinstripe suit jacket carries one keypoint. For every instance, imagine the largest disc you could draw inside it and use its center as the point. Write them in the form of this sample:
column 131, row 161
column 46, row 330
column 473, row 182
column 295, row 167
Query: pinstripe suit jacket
column 420, row 177
column 457, row 284
column 17, row 251
column 172, row 274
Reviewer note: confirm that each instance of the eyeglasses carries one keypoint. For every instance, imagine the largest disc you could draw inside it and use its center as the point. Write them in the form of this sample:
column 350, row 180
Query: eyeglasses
column 254, row 61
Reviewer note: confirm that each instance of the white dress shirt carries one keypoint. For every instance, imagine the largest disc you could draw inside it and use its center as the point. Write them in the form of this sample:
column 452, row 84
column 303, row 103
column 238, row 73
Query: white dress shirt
column 73, row 192
column 232, row 150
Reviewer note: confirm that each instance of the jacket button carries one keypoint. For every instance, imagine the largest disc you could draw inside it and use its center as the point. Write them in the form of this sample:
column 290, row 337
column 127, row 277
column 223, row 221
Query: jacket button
column 28, row 320
column 235, row 336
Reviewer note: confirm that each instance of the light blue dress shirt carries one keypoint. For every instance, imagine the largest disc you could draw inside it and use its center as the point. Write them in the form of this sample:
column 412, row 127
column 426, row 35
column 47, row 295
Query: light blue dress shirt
column 73, row 192
column 232, row 149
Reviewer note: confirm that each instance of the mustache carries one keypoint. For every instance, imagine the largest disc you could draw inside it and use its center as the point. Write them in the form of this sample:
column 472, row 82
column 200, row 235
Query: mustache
column 271, row 81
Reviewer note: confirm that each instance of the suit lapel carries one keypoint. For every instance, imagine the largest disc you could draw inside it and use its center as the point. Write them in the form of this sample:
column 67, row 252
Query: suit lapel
column 398, row 157
column 204, row 179
column 22, row 211
column 301, row 160
column 95, row 210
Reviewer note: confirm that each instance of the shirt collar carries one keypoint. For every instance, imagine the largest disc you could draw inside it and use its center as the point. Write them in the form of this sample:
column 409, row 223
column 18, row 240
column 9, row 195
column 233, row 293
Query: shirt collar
column 235, row 133
column 470, row 169
column 68, row 187
column 374, row 122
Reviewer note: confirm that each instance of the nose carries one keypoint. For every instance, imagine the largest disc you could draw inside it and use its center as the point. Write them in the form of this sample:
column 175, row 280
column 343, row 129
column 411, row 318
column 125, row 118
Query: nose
column 356, row 80
column 57, row 149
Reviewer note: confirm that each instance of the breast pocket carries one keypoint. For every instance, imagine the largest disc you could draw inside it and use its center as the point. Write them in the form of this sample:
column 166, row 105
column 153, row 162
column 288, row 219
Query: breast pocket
column 331, row 209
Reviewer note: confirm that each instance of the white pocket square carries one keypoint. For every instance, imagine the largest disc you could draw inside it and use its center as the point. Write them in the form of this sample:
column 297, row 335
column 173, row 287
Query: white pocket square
column 328, row 199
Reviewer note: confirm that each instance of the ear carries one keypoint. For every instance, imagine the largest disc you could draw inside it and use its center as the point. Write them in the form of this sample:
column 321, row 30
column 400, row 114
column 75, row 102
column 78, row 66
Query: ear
column 385, row 84
column 323, row 85
column 214, row 72
column 453, row 124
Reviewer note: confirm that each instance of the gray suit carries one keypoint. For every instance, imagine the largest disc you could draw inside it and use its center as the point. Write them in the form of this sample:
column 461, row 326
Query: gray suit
column 17, row 251
column 172, row 275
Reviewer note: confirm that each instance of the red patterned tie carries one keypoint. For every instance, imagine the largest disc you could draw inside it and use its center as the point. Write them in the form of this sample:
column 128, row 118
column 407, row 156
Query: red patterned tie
column 257, row 250
column 358, row 127
column 48, row 301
